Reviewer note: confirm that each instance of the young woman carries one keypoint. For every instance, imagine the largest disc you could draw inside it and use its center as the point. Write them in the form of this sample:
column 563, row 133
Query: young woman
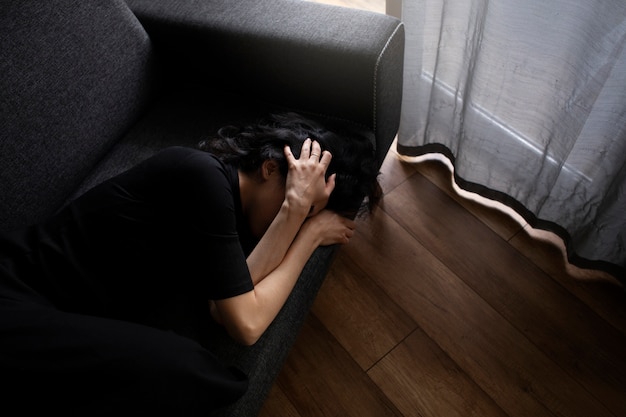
column 89, row 300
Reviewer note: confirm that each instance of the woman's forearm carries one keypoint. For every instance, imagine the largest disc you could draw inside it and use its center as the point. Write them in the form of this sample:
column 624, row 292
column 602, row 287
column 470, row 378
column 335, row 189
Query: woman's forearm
column 272, row 292
column 247, row 316
column 273, row 246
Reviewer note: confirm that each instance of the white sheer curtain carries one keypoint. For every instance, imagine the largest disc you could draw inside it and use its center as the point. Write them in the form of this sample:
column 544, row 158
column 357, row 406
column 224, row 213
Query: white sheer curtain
column 528, row 99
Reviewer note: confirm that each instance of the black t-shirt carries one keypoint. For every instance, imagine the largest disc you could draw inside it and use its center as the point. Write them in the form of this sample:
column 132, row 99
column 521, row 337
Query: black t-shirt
column 171, row 224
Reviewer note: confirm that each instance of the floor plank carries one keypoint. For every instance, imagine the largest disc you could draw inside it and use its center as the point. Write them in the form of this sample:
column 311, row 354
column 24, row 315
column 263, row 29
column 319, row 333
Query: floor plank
column 321, row 379
column 423, row 381
column 278, row 404
column 587, row 348
column 362, row 318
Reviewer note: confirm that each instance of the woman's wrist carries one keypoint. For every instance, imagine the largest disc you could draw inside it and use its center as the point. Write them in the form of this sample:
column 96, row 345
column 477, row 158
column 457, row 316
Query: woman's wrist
column 310, row 233
column 294, row 207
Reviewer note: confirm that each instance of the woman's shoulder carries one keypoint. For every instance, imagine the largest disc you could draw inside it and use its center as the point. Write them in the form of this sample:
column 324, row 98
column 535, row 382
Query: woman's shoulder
column 177, row 158
column 182, row 152
column 192, row 168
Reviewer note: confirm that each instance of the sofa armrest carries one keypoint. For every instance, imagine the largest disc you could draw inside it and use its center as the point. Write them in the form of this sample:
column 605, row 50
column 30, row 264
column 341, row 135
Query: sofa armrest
column 318, row 59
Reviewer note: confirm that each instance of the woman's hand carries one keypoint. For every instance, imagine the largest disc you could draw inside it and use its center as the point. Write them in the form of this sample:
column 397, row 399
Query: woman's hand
column 306, row 185
column 329, row 228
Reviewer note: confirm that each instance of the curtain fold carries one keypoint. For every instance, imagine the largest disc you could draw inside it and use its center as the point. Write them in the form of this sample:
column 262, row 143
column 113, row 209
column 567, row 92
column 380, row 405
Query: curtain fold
column 528, row 100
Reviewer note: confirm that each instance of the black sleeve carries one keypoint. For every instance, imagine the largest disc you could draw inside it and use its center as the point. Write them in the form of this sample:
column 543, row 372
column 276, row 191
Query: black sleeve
column 206, row 213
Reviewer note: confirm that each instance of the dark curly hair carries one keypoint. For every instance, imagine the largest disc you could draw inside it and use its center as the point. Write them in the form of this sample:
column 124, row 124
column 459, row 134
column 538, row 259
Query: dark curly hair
column 357, row 189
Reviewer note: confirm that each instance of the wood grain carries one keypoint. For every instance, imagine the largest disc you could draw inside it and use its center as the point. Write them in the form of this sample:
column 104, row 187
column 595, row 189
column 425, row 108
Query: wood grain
column 423, row 381
column 321, row 379
column 278, row 404
column 362, row 318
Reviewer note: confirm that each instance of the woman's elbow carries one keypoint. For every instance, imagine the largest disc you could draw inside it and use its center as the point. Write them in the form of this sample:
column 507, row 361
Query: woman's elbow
column 246, row 334
column 242, row 317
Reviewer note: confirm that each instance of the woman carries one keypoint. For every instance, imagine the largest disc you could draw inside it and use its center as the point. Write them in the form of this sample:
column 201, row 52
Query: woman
column 282, row 192
column 90, row 300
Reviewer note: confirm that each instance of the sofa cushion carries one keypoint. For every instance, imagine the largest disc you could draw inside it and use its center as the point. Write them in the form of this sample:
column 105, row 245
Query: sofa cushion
column 73, row 77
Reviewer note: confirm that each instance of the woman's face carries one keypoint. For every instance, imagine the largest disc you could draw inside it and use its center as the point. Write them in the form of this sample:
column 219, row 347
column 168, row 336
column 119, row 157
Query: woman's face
column 267, row 197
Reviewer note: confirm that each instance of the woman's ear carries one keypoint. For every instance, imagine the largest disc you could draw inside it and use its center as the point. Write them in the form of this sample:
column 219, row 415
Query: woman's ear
column 269, row 168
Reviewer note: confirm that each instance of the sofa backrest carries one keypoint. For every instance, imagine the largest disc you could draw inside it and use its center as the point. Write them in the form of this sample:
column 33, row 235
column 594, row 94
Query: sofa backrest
column 74, row 75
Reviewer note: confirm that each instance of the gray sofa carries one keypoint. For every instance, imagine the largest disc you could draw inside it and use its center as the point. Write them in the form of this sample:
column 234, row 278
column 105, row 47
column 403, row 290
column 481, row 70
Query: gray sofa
column 88, row 88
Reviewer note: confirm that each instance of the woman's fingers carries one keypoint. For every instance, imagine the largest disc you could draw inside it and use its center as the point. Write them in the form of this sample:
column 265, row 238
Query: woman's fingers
column 311, row 149
column 324, row 157
column 306, row 180
column 330, row 228
column 316, row 150
column 330, row 184
column 291, row 159
column 305, row 153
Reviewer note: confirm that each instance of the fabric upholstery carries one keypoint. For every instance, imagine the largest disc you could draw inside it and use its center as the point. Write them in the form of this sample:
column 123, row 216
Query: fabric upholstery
column 73, row 77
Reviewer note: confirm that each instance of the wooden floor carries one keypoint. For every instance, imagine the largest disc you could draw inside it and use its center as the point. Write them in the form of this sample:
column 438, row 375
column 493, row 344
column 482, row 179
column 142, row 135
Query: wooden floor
column 442, row 306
